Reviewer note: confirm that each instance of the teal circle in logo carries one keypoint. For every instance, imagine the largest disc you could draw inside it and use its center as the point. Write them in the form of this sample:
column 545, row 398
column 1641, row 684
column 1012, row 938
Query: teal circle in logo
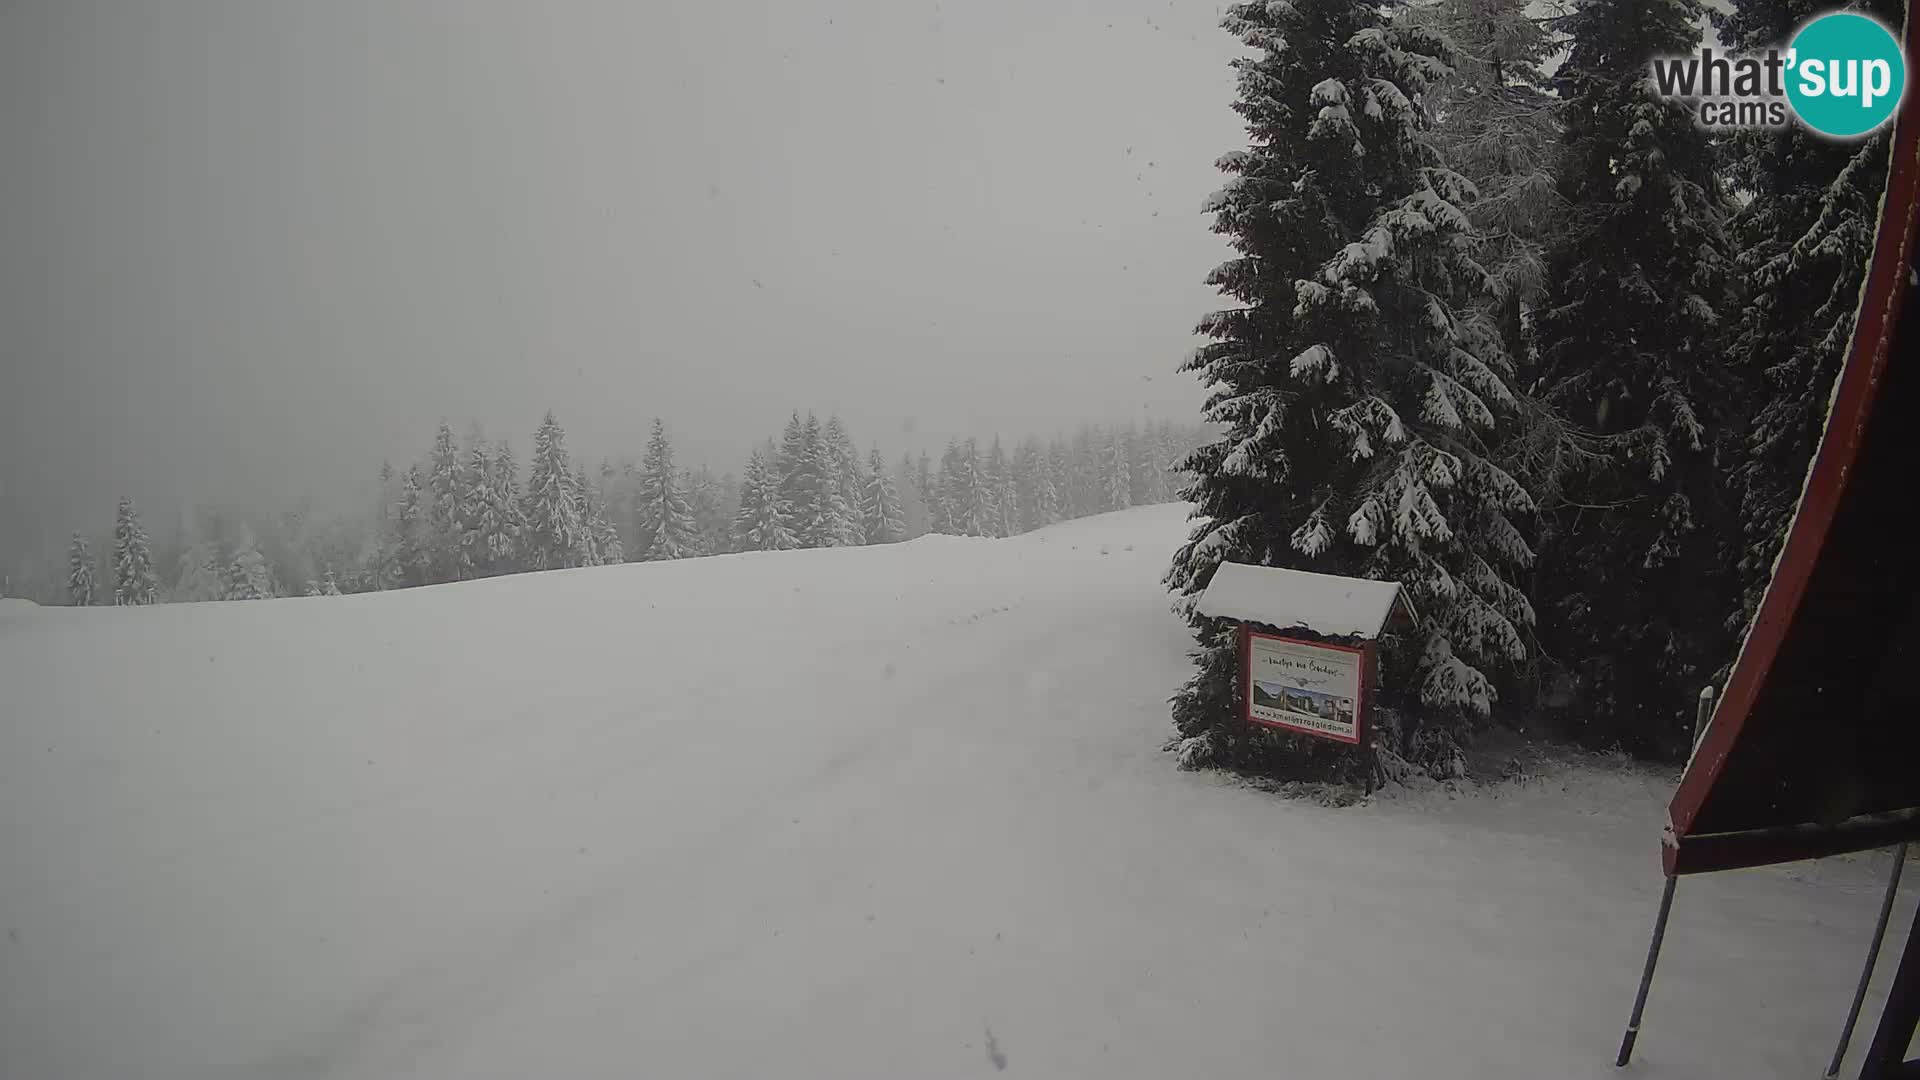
column 1846, row 75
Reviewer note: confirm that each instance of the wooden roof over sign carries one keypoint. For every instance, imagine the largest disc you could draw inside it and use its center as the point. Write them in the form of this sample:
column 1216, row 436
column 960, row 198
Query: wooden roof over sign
column 1323, row 603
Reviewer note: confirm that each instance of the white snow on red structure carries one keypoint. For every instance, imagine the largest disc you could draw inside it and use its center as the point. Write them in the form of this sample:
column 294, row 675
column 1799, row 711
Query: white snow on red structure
column 1323, row 603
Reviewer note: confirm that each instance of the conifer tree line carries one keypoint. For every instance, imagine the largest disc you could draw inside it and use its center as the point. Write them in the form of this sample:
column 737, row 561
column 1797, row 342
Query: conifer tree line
column 468, row 510
column 1537, row 346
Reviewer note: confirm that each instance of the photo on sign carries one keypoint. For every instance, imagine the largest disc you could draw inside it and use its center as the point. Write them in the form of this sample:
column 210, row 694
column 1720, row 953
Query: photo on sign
column 1311, row 704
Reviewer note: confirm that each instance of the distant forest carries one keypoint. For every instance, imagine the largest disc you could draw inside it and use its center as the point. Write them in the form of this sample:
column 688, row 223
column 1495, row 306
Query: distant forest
column 466, row 510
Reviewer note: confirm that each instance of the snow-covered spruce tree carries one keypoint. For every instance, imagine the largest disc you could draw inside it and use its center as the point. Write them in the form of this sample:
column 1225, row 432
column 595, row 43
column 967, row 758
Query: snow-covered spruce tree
column 200, row 573
column 1060, row 471
column 1046, row 490
column 380, row 568
column 411, row 555
column 727, row 499
column 1356, row 395
column 603, row 539
column 1006, row 501
column 1023, row 458
column 812, row 488
column 923, row 484
column 555, row 535
column 883, row 520
column 964, row 497
column 796, row 472
column 1495, row 124
column 1052, row 464
column 790, row 452
column 607, row 539
column 505, row 523
column 982, row 456
column 1129, row 440
column 1089, row 464
column 247, row 577
column 1173, row 452
column 474, row 517
column 583, row 505
column 1164, row 481
column 1047, row 475
column 1077, row 492
column 80, row 572
column 606, row 534
column 933, row 492
column 698, row 485
column 841, row 521
column 1001, row 485
column 609, row 486
column 1116, row 481
column 443, row 549
column 706, row 495
column 913, row 506
column 620, row 499
column 943, row 477
column 133, row 580
column 389, row 491
column 1038, row 501
column 696, row 545
column 762, row 522
column 844, row 466
column 1145, row 468
column 1635, row 582
column 1803, row 242
column 990, row 486
column 663, row 519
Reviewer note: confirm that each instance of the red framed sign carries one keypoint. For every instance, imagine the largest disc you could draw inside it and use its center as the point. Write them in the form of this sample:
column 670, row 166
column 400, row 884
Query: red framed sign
column 1308, row 687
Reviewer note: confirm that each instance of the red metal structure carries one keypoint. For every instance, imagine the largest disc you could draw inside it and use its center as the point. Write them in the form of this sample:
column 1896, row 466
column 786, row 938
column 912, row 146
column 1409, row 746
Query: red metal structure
column 1814, row 749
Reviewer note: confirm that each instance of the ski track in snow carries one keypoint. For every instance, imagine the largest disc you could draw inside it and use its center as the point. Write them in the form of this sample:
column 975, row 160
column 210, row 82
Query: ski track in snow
column 878, row 812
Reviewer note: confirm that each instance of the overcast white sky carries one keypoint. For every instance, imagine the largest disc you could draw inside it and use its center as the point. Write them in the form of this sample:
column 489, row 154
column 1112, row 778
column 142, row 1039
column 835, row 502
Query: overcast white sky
column 249, row 248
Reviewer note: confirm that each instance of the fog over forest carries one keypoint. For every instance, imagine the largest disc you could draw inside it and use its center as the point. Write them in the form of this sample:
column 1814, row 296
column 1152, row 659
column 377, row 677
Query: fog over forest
column 254, row 249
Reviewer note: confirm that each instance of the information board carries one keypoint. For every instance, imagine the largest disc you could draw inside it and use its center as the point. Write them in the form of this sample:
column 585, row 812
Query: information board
column 1309, row 687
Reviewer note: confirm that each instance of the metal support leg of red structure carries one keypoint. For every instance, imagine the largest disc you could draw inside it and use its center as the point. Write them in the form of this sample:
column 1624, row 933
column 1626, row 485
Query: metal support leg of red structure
column 1886, row 1055
column 1703, row 714
column 1873, row 954
column 1646, row 975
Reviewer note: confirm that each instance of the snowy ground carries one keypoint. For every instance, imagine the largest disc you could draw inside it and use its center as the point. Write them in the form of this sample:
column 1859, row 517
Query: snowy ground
column 825, row 813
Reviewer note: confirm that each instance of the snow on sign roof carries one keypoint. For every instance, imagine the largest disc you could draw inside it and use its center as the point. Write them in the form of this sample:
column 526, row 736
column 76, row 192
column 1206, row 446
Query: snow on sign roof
column 1323, row 603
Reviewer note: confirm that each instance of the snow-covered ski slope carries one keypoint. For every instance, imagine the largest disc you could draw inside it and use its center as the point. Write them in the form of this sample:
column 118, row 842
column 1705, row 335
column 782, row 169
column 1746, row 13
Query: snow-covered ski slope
column 809, row 814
